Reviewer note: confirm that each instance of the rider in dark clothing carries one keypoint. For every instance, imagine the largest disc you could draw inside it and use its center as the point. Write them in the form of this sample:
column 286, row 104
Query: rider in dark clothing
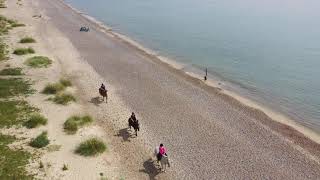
column 133, row 116
column 133, row 121
column 102, row 87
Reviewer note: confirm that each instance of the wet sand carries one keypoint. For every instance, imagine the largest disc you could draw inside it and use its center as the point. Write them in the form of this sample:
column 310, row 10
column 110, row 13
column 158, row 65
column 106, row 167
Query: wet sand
column 209, row 135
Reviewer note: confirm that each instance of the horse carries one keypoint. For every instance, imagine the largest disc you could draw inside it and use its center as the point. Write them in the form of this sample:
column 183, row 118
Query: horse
column 103, row 93
column 164, row 162
column 134, row 124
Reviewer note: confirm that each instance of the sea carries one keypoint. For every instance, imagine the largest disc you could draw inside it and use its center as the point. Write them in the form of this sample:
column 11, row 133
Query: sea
column 265, row 50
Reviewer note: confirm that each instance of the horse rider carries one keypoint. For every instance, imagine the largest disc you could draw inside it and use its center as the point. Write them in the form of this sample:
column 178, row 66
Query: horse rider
column 103, row 87
column 132, row 119
column 162, row 152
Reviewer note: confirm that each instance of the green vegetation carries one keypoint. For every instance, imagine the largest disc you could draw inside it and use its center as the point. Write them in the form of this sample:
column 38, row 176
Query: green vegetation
column 65, row 82
column 53, row 88
column 38, row 62
column 14, row 87
column 27, row 40
column 3, row 51
column 11, row 72
column 40, row 141
column 91, row 147
column 73, row 123
column 35, row 120
column 41, row 165
column 14, row 113
column 56, row 87
column 16, row 24
column 13, row 162
column 65, row 167
column 63, row 98
column 4, row 25
column 2, row 4
column 23, row 51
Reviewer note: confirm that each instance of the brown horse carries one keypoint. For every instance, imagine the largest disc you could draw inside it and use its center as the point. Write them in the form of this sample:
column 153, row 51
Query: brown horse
column 135, row 124
column 103, row 93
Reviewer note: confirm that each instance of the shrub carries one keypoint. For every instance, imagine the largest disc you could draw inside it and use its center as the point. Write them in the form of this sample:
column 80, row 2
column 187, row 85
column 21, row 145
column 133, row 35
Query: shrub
column 41, row 165
column 13, row 161
column 11, row 71
column 38, row 62
column 16, row 24
column 23, row 51
column 14, row 86
column 65, row 82
column 65, row 167
column 53, row 88
column 35, row 120
column 91, row 147
column 3, row 51
column 71, row 125
column 40, row 141
column 63, row 98
column 27, row 40
column 14, row 113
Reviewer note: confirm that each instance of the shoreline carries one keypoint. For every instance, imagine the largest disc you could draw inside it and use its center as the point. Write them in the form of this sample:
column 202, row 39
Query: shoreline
column 214, row 84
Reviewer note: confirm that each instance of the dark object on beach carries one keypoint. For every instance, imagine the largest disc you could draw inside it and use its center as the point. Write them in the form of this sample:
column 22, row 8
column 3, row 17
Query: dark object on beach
column 104, row 93
column 133, row 122
column 85, row 29
column 205, row 77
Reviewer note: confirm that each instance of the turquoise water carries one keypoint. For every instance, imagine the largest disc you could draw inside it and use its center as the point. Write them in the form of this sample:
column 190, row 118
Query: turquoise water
column 267, row 50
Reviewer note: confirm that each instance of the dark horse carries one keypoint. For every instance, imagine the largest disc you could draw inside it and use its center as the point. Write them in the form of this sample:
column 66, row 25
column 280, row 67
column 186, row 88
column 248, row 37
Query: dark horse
column 103, row 93
column 135, row 124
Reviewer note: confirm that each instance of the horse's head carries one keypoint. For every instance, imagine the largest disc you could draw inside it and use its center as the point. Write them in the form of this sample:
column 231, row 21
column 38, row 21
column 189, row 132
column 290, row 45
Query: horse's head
column 156, row 151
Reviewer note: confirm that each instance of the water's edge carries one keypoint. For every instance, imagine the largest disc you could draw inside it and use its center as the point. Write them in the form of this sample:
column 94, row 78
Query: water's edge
column 214, row 83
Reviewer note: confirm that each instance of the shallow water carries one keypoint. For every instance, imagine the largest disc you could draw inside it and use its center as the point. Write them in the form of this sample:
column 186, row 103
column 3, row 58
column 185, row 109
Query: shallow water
column 266, row 50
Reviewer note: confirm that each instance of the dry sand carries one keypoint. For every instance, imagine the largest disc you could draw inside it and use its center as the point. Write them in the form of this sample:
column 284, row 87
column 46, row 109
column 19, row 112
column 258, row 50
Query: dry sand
column 209, row 135
column 122, row 158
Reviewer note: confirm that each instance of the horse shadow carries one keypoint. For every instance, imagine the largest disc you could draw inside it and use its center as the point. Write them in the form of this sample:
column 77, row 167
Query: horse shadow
column 150, row 169
column 96, row 101
column 125, row 134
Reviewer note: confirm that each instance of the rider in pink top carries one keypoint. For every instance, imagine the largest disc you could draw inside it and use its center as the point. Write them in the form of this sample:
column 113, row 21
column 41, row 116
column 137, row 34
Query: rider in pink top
column 162, row 150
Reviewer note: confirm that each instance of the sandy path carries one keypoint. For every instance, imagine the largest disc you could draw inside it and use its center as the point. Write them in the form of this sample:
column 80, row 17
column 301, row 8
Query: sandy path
column 208, row 136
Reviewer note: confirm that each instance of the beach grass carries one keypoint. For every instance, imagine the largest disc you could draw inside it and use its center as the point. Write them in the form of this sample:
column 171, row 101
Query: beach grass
column 14, row 112
column 14, row 87
column 11, row 72
column 53, row 88
column 65, row 167
column 27, row 40
column 63, row 98
column 91, row 147
column 72, row 124
column 13, row 162
column 23, row 51
column 40, row 141
column 35, row 120
column 2, row 4
column 38, row 62
column 3, row 51
column 16, row 24
column 65, row 82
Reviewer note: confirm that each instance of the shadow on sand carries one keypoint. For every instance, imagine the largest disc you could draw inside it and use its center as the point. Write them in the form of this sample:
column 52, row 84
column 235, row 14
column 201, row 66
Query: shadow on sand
column 150, row 168
column 96, row 100
column 125, row 134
